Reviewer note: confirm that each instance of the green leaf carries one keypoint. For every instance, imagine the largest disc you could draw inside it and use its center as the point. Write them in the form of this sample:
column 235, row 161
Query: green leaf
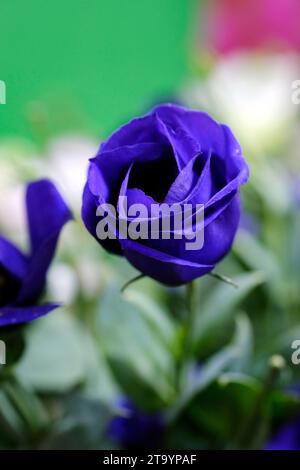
column 99, row 381
column 22, row 415
column 237, row 378
column 83, row 426
column 243, row 340
column 54, row 359
column 283, row 407
column 280, row 343
column 157, row 318
column 137, row 351
column 256, row 256
column 200, row 377
column 221, row 305
column 12, row 427
column 275, row 195
column 222, row 408
column 27, row 404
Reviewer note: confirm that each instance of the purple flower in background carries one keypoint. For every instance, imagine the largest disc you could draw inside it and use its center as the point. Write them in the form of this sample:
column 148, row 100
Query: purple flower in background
column 23, row 277
column 288, row 437
column 173, row 156
column 136, row 429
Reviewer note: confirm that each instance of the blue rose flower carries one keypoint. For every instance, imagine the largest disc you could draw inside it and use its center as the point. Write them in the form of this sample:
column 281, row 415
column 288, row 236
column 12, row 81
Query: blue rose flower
column 136, row 429
column 171, row 156
column 23, row 277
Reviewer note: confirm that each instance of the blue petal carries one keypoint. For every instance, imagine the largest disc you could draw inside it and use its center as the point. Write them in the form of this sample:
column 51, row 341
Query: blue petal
column 15, row 315
column 12, row 260
column 47, row 214
column 90, row 220
column 108, row 169
column 161, row 266
column 138, row 131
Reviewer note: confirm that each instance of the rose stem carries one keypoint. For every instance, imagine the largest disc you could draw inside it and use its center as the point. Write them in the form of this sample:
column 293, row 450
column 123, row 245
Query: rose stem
column 187, row 329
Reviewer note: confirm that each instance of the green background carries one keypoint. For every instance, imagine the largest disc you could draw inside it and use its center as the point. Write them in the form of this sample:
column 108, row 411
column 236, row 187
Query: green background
column 88, row 63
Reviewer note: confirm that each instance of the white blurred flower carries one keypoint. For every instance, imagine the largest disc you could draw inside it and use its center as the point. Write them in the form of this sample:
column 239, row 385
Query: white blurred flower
column 252, row 94
column 87, row 264
column 294, row 154
column 18, row 165
column 12, row 211
column 68, row 159
column 62, row 283
column 90, row 276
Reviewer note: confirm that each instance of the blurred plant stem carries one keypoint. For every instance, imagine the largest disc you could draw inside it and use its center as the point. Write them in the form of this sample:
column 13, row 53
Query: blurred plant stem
column 22, row 414
column 190, row 298
column 252, row 433
column 185, row 354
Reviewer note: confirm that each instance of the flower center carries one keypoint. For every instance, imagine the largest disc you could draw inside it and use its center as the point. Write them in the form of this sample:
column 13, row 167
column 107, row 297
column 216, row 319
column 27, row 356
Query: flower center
column 9, row 287
column 155, row 177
